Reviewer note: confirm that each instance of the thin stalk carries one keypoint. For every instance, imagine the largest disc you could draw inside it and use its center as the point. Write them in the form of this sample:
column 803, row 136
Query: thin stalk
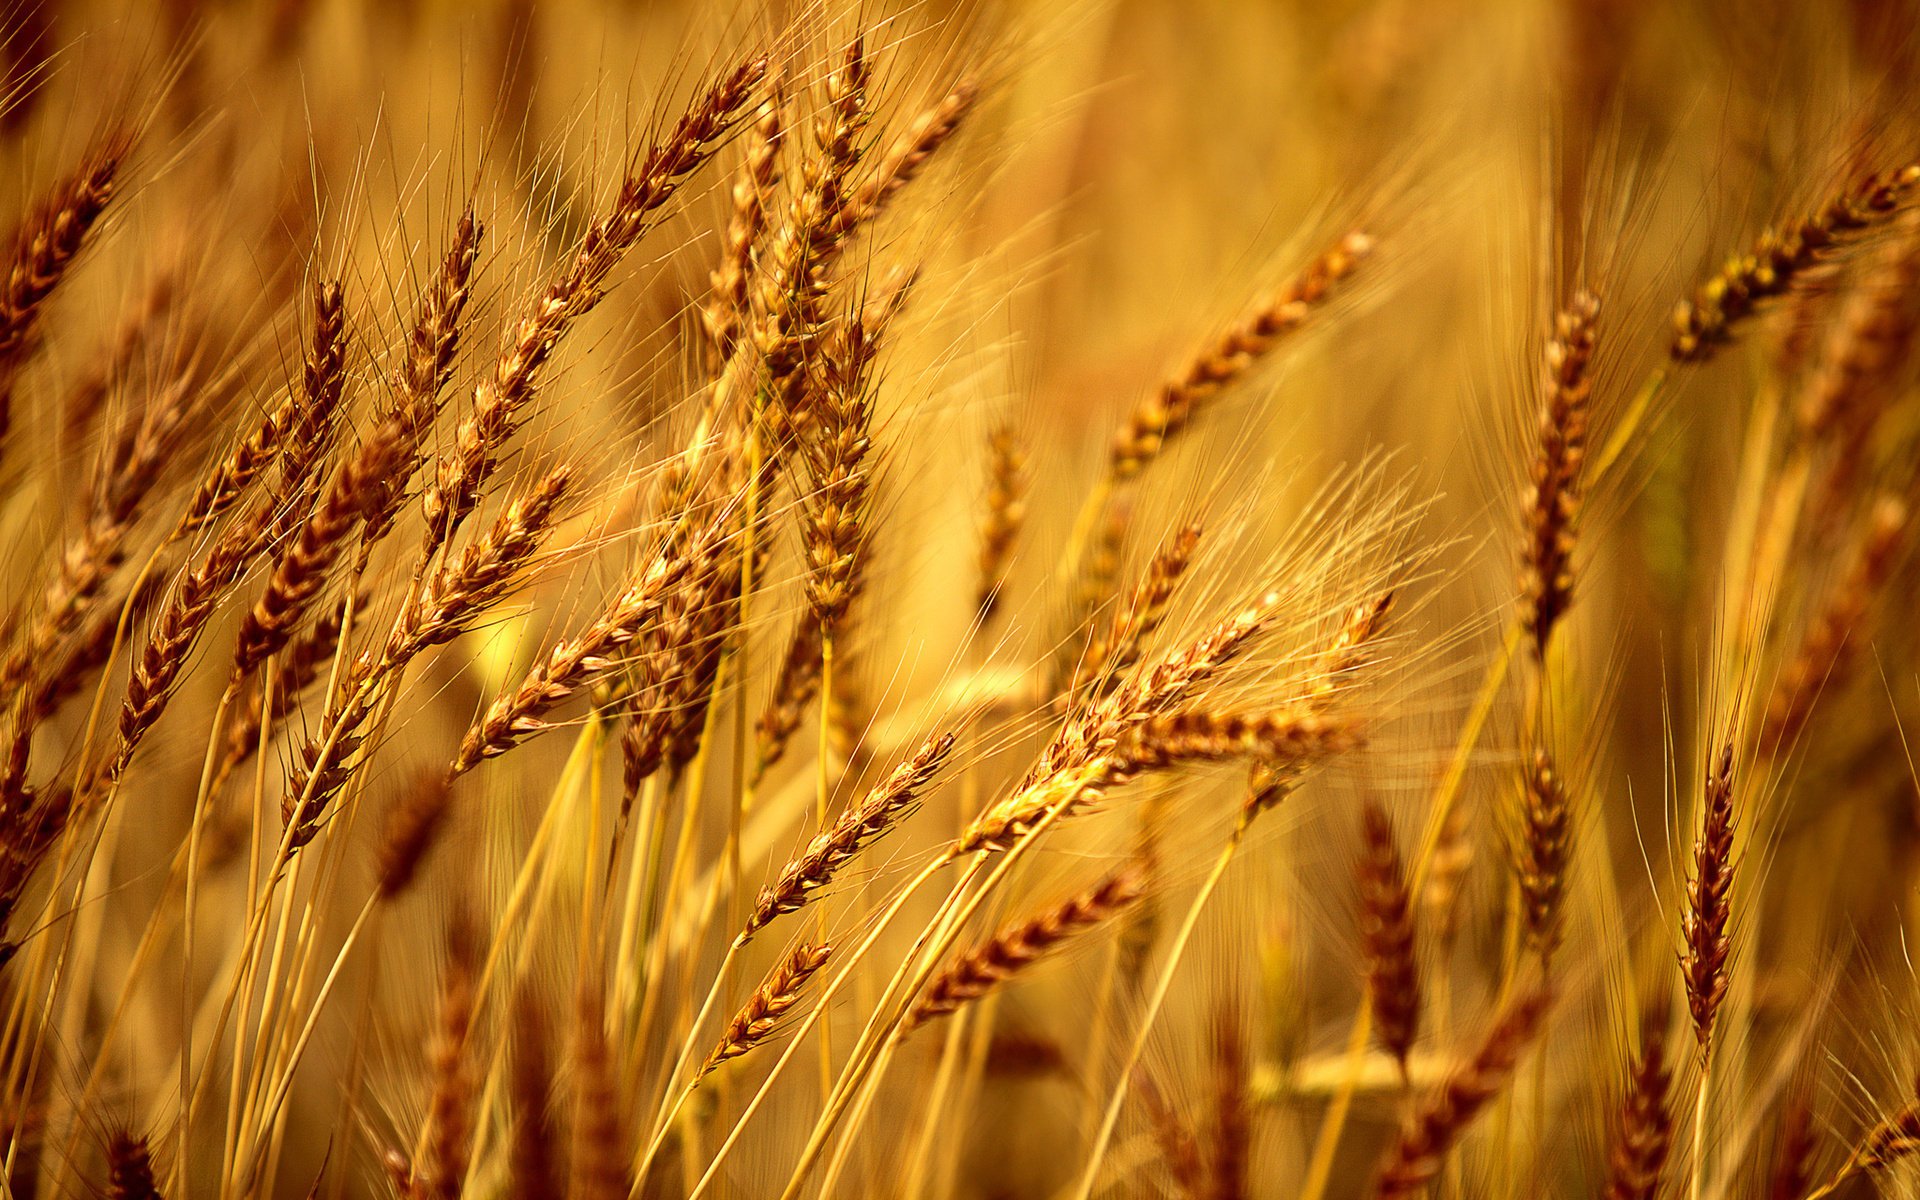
column 822, row 784
column 279, row 1096
column 1327, row 1141
column 1697, row 1170
column 806, row 1027
column 1160, row 988
column 928, row 951
column 198, row 820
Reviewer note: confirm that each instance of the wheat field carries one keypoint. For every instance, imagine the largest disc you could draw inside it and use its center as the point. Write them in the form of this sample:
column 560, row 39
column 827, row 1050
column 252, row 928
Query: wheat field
column 959, row 599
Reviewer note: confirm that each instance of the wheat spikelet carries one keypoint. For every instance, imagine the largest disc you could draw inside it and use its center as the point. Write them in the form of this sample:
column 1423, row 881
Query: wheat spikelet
column 1703, row 928
column 772, row 1001
column 909, row 155
column 727, row 307
column 576, row 663
column 835, row 448
column 678, row 663
column 857, row 828
column 130, row 1168
column 1824, row 657
column 500, row 400
column 1387, row 935
column 1551, row 505
column 453, row 597
column 1709, row 320
column 1542, row 853
column 307, row 563
column 1645, row 1132
column 1006, row 512
column 450, row 1108
column 1792, row 1174
column 45, row 655
column 1104, row 747
column 229, row 479
column 1118, row 648
column 1170, row 409
column 315, row 414
column 1285, row 741
column 1442, row 1119
column 422, row 377
column 307, row 658
column 791, row 292
column 834, row 511
column 1015, row 948
column 43, row 251
column 171, row 639
column 1892, row 1139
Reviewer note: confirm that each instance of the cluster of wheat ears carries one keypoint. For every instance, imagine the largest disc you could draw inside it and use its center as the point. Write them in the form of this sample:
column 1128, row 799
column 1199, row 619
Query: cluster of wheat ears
column 595, row 648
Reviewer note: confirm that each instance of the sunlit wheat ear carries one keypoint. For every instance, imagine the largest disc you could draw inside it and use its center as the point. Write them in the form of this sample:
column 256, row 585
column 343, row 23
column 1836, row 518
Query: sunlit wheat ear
column 1893, row 1139
column 454, row 597
column 500, row 401
column 813, row 230
column 1551, row 505
column 130, row 1168
column 856, row 829
column 307, row 563
column 314, row 419
column 1178, row 1148
column 1178, row 401
column 769, row 1004
column 1857, row 375
column 1005, row 512
column 234, row 475
column 36, row 670
column 907, row 156
column 1118, row 646
column 413, row 824
column 1709, row 321
column 451, row 1106
column 1231, row 1131
column 1285, row 741
column 307, row 658
column 1543, row 853
column 993, row 963
column 1443, row 1118
column 1840, row 629
column 597, row 1155
column 533, row 1161
column 1139, row 725
column 197, row 593
column 1643, row 1133
column 1703, row 927
column 577, row 663
column 670, row 681
column 43, row 252
column 420, row 384
column 1149, row 688
column 726, row 310
column 836, row 450
column 1796, row 1143
column 1387, row 935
